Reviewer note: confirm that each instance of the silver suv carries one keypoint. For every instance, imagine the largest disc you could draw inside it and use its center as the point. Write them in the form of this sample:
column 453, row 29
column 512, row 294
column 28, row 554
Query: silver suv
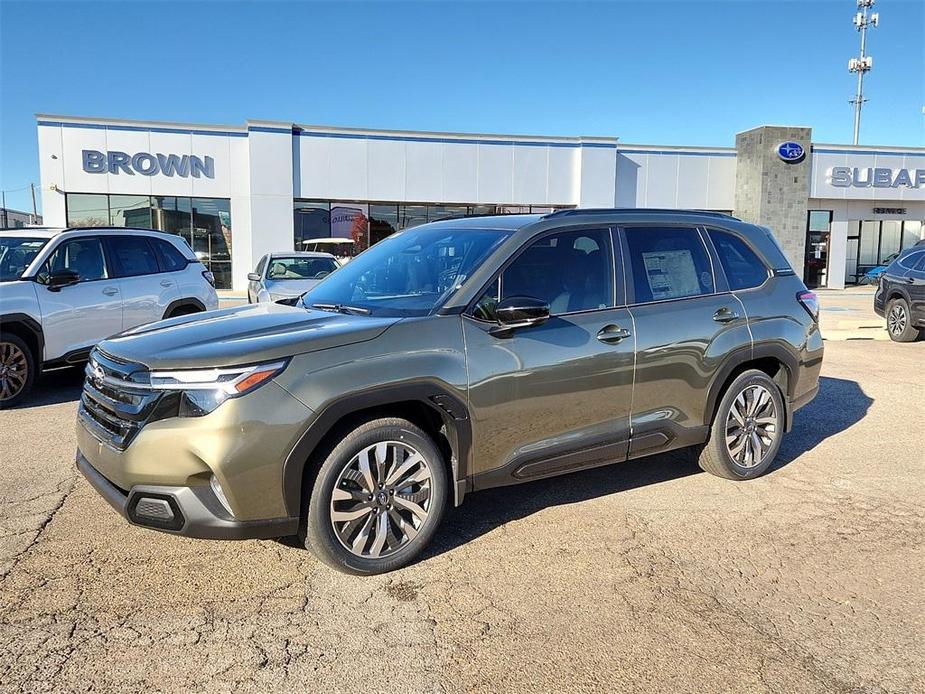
column 62, row 291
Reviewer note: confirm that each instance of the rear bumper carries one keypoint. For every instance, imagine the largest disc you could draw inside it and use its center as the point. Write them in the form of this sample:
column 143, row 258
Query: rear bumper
column 188, row 511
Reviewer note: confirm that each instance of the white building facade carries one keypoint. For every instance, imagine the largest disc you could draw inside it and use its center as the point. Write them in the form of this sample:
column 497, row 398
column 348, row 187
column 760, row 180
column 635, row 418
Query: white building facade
column 238, row 192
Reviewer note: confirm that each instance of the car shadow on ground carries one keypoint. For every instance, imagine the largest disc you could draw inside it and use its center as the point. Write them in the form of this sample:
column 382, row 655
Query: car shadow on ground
column 54, row 387
column 840, row 404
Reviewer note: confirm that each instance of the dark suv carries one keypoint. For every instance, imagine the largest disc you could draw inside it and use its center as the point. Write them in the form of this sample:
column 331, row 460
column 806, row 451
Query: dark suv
column 900, row 296
column 449, row 358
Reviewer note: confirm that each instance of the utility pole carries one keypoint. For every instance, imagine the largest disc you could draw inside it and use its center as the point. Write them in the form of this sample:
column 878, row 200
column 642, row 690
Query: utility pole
column 3, row 205
column 864, row 62
column 35, row 214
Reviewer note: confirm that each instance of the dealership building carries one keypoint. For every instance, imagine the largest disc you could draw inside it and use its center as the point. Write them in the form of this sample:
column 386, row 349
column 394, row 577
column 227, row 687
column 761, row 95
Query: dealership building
column 238, row 192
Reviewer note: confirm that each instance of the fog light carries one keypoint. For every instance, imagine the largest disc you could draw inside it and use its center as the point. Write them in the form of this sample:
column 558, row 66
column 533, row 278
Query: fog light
column 155, row 509
column 219, row 493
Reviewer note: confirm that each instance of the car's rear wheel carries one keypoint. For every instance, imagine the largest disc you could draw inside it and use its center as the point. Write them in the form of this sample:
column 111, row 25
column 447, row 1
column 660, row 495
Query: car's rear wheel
column 899, row 321
column 747, row 429
column 377, row 499
column 17, row 369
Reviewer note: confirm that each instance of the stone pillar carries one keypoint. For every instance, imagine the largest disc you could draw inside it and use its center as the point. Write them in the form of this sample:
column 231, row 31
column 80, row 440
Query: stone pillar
column 773, row 192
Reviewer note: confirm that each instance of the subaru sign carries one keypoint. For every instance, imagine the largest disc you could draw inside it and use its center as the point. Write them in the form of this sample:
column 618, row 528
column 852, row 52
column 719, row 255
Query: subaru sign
column 875, row 177
column 148, row 164
column 791, row 152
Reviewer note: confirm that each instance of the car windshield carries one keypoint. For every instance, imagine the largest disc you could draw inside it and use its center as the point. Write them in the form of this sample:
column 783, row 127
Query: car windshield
column 16, row 254
column 407, row 274
column 297, row 268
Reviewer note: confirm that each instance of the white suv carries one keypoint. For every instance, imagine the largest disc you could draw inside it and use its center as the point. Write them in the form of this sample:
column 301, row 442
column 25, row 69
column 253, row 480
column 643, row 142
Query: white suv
column 62, row 291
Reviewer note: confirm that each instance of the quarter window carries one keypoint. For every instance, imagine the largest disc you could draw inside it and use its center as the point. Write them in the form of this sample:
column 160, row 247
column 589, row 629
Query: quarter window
column 668, row 263
column 83, row 256
column 169, row 258
column 743, row 268
column 132, row 256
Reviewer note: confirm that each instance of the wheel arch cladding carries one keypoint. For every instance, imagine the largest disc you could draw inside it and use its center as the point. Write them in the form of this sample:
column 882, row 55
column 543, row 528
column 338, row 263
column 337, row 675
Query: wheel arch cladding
column 28, row 330
column 774, row 360
column 189, row 303
column 442, row 415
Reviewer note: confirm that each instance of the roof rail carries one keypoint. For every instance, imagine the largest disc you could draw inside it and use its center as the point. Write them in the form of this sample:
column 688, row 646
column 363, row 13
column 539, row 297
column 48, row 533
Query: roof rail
column 634, row 210
column 114, row 229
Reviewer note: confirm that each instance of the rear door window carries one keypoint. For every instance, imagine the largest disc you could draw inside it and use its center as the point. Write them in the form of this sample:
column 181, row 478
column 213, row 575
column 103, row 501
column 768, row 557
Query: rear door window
column 743, row 267
column 668, row 263
column 132, row 256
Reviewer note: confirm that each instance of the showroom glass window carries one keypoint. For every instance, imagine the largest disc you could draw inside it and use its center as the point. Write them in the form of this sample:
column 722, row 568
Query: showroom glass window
column 87, row 210
column 668, row 263
column 130, row 211
column 311, row 220
column 383, row 221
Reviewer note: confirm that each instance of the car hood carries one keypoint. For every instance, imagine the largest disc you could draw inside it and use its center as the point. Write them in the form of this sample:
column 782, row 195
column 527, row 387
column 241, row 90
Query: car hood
column 240, row 335
column 289, row 288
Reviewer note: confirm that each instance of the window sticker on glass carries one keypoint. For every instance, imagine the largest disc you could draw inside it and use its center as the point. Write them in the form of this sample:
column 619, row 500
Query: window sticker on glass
column 671, row 274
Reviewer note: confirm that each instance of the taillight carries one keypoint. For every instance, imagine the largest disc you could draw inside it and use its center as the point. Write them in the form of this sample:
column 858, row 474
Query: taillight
column 810, row 302
column 210, row 278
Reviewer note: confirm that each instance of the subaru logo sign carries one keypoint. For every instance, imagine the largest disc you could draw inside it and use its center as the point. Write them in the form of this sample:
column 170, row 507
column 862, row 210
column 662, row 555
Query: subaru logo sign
column 791, row 152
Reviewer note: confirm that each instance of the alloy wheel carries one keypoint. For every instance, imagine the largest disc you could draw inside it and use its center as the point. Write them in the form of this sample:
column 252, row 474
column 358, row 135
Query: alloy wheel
column 381, row 500
column 14, row 370
column 751, row 426
column 896, row 321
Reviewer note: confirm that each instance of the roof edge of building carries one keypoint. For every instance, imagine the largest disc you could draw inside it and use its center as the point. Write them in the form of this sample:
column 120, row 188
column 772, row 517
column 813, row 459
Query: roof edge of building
column 90, row 120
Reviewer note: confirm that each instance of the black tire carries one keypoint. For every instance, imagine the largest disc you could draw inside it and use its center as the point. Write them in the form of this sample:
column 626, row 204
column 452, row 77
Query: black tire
column 715, row 457
column 899, row 321
column 319, row 535
column 15, row 358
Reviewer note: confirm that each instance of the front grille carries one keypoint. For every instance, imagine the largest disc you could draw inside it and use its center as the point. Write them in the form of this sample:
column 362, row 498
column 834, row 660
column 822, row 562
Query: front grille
column 116, row 401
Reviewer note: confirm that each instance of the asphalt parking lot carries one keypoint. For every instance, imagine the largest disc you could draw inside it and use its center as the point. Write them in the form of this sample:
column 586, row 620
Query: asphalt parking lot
column 648, row 575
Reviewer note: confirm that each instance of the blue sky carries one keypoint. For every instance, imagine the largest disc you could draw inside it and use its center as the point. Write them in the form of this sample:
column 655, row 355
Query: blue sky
column 647, row 72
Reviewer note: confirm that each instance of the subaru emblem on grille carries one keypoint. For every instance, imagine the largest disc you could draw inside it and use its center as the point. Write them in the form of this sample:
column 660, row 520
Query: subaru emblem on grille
column 98, row 374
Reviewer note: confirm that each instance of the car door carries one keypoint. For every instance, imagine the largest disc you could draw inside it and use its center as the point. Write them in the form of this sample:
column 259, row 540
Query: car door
column 76, row 317
column 555, row 396
column 915, row 279
column 146, row 292
column 686, row 326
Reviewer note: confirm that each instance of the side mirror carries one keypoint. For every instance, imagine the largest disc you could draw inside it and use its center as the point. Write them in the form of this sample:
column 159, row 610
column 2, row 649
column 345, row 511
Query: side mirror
column 62, row 278
column 519, row 312
column 253, row 277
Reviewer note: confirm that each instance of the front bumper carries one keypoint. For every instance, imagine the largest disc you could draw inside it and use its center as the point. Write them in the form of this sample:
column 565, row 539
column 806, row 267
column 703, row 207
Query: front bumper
column 188, row 511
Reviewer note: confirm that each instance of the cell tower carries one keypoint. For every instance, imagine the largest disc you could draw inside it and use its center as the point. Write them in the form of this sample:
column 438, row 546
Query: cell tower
column 864, row 62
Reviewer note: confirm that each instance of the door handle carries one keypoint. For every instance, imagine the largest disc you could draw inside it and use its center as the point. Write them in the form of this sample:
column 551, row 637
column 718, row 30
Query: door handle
column 110, row 291
column 613, row 333
column 166, row 283
column 725, row 315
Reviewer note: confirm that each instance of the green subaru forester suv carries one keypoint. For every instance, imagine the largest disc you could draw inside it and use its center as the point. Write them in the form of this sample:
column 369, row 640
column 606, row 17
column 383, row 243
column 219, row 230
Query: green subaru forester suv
column 453, row 357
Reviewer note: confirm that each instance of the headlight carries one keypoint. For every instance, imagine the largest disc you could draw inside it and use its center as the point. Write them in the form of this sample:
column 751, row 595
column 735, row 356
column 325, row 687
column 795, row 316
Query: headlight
column 202, row 390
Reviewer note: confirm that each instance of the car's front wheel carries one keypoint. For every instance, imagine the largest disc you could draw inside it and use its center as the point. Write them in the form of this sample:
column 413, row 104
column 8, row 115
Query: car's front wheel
column 899, row 323
column 747, row 429
column 17, row 369
column 377, row 499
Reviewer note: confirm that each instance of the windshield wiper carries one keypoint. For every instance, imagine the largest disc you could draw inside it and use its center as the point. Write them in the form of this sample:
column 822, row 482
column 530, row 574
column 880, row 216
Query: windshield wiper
column 342, row 308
